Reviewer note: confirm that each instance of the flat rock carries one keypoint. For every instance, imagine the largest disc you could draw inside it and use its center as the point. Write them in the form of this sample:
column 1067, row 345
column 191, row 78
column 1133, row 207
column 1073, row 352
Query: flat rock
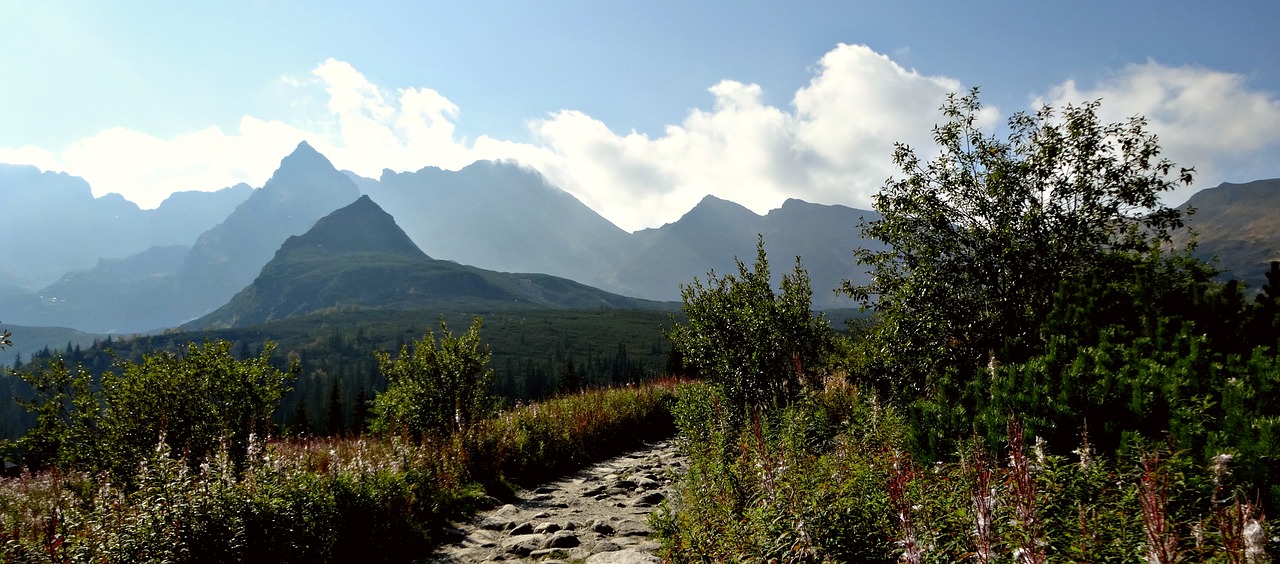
column 605, row 546
column 561, row 539
column 632, row 529
column 547, row 528
column 497, row 523
column 522, row 545
column 648, row 500
column 622, row 557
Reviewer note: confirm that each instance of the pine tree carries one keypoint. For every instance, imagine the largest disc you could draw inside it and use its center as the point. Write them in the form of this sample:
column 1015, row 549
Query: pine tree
column 360, row 412
column 336, row 423
column 299, row 421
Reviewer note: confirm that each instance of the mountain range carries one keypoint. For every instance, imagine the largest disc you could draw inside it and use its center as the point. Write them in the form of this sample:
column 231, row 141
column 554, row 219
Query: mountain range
column 357, row 257
column 59, row 226
column 161, row 288
column 226, row 258
column 1237, row 226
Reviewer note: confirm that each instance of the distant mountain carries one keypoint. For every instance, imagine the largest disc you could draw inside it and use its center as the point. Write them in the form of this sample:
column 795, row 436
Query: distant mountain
column 227, row 257
column 490, row 215
column 55, row 225
column 506, row 217
column 501, row 216
column 126, row 295
column 1239, row 224
column 30, row 340
column 162, row 288
column 358, row 258
column 716, row 231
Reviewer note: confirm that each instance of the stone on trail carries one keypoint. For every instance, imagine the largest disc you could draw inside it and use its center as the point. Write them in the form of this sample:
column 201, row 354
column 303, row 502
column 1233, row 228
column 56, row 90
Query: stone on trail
column 622, row 557
column 522, row 546
column 562, row 539
column 649, row 500
column 596, row 515
column 605, row 546
column 497, row 523
column 632, row 529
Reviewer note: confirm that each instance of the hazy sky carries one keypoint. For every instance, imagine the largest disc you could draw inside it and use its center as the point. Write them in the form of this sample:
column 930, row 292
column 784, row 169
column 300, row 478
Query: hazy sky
column 638, row 110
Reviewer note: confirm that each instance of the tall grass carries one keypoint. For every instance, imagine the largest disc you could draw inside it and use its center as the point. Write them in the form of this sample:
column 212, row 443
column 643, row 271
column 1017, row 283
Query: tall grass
column 828, row 480
column 318, row 500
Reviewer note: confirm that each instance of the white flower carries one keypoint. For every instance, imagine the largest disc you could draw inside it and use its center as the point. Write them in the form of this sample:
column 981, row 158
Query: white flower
column 1254, row 538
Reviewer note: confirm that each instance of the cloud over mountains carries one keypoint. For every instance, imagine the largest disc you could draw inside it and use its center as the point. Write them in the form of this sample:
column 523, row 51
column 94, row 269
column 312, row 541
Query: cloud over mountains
column 831, row 144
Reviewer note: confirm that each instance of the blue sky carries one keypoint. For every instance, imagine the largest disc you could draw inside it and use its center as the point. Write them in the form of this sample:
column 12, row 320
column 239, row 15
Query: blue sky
column 637, row 110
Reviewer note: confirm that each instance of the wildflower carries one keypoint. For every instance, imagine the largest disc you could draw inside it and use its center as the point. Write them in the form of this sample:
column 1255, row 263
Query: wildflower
column 1085, row 452
column 1221, row 468
column 1254, row 539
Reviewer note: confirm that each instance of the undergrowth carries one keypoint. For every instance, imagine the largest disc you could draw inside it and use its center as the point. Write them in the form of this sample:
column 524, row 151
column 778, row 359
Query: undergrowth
column 829, row 479
column 317, row 500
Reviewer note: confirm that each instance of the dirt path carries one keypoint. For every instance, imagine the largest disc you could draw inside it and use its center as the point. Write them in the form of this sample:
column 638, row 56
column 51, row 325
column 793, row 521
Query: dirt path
column 598, row 515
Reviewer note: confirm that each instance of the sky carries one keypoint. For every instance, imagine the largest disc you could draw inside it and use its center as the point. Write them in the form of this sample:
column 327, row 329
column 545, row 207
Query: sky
column 638, row 110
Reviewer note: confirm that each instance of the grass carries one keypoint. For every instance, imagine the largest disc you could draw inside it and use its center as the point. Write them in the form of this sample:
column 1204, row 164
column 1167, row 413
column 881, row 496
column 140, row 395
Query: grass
column 320, row 499
column 829, row 479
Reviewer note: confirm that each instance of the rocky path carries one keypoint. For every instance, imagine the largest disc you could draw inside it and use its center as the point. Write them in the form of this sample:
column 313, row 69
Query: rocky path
column 598, row 515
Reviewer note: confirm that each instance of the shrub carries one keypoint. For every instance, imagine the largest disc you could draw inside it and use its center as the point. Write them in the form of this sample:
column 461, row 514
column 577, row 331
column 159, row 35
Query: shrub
column 193, row 401
column 760, row 348
column 437, row 387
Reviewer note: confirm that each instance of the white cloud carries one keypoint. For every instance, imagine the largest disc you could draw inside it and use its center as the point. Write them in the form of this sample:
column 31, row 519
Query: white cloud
column 27, row 154
column 146, row 169
column 833, row 146
column 369, row 129
column 360, row 129
column 1203, row 118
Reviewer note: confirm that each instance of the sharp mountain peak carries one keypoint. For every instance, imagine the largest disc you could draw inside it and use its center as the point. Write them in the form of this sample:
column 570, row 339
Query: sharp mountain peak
column 359, row 227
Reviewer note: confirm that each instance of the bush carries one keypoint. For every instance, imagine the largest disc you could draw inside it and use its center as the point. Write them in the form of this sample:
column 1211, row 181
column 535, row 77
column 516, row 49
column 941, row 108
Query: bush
column 828, row 480
column 191, row 401
column 437, row 387
column 758, row 347
column 320, row 500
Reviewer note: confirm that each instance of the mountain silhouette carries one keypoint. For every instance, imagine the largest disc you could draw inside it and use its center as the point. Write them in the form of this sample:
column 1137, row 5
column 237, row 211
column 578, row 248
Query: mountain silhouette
column 496, row 216
column 60, row 227
column 221, row 262
column 1239, row 224
column 501, row 216
column 506, row 217
column 716, row 231
column 357, row 257
column 224, row 259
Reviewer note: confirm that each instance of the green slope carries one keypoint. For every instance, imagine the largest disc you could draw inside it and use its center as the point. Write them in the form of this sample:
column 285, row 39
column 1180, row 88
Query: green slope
column 358, row 258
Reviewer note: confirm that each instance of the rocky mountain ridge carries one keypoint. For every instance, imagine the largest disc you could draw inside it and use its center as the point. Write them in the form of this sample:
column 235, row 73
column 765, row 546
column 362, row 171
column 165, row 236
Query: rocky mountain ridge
column 501, row 217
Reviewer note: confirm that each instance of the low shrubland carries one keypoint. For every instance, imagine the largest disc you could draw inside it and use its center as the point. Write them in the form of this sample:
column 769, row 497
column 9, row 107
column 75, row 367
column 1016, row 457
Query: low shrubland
column 831, row 478
column 295, row 500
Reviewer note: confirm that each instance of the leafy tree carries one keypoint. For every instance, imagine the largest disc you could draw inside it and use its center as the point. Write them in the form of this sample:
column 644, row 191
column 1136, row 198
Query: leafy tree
column 193, row 401
column 4, row 338
column 979, row 238
column 759, row 347
column 66, row 409
column 438, row 387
